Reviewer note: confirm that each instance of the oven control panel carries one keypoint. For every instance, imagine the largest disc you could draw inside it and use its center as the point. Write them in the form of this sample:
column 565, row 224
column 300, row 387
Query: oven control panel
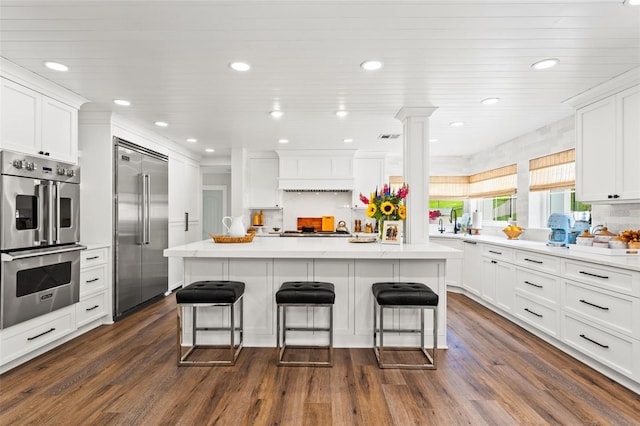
column 18, row 164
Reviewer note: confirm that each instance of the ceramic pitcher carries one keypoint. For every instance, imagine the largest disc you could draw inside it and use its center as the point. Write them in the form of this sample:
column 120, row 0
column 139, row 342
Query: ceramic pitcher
column 236, row 228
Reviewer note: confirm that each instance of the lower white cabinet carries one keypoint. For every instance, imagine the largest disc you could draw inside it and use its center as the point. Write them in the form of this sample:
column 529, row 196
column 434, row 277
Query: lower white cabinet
column 91, row 308
column 454, row 266
column 29, row 336
column 94, row 302
column 589, row 310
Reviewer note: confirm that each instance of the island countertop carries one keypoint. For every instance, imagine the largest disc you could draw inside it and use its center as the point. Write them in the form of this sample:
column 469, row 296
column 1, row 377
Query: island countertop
column 317, row 248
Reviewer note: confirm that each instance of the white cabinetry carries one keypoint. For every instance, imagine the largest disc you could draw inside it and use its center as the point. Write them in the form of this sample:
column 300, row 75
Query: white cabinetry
column 471, row 273
column 368, row 174
column 263, row 182
column 184, row 210
column 608, row 138
column 497, row 276
column 94, row 287
column 37, row 124
column 454, row 266
column 315, row 169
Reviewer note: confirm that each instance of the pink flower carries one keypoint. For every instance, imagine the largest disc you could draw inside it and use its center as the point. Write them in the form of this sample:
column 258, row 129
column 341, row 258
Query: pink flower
column 364, row 199
column 403, row 191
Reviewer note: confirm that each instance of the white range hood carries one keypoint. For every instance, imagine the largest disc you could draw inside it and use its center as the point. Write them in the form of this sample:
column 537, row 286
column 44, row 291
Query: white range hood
column 316, row 170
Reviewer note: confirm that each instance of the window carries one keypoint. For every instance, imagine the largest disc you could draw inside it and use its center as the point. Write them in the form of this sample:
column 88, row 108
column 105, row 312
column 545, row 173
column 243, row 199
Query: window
column 500, row 209
column 443, row 209
column 552, row 189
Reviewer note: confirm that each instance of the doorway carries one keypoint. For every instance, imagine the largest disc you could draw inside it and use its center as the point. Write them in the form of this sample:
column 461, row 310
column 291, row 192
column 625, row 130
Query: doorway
column 214, row 208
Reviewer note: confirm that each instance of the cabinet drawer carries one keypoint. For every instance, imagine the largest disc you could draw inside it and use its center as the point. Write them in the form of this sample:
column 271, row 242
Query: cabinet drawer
column 541, row 316
column 497, row 252
column 546, row 287
column 616, row 351
column 610, row 309
column 91, row 309
column 539, row 262
column 615, row 279
column 93, row 279
column 30, row 335
column 93, row 257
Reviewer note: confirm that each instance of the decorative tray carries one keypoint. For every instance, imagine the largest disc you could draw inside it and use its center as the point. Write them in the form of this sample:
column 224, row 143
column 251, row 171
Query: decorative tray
column 363, row 239
column 605, row 251
column 227, row 239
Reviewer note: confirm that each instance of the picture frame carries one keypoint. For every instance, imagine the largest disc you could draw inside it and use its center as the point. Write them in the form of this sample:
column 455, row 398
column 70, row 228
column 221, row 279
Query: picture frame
column 392, row 232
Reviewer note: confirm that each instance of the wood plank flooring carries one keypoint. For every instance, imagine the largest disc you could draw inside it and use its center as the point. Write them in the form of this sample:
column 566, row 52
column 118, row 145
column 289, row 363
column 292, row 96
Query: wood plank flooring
column 494, row 373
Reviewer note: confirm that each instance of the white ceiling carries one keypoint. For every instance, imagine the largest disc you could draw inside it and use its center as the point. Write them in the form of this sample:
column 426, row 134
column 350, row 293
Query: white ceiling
column 170, row 59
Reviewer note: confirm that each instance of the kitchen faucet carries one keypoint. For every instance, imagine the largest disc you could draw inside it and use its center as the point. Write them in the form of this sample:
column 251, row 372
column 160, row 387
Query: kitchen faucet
column 454, row 218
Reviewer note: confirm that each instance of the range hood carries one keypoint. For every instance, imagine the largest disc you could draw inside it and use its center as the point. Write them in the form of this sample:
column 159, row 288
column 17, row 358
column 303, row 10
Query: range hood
column 316, row 170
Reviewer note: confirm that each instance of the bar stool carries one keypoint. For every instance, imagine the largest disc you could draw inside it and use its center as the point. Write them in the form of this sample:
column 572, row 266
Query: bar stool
column 210, row 294
column 404, row 295
column 304, row 294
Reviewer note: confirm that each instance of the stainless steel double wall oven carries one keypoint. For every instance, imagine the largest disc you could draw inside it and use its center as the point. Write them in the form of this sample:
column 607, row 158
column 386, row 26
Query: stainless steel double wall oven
column 39, row 235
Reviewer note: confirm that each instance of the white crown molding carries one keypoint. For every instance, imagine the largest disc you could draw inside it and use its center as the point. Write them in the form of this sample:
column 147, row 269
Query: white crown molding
column 24, row 77
column 610, row 87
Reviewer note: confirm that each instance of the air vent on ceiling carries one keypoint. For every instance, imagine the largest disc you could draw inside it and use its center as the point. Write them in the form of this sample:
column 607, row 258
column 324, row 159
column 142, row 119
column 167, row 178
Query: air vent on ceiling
column 389, row 136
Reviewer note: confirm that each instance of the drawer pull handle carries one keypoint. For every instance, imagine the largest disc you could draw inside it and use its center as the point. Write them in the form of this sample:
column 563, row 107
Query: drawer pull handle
column 92, row 258
column 471, row 242
column 535, row 285
column 41, row 334
column 594, row 275
column 494, row 252
column 92, row 280
column 493, row 261
column 594, row 305
column 539, row 262
column 92, row 308
column 593, row 341
column 533, row 313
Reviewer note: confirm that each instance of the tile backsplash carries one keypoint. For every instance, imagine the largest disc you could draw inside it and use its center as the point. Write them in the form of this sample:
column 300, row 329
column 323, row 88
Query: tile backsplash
column 617, row 217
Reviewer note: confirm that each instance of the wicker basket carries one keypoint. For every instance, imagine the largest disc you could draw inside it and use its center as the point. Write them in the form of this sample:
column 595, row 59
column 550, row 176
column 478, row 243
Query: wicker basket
column 227, row 239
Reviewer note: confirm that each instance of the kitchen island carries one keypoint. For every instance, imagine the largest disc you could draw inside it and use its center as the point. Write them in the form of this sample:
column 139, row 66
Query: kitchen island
column 267, row 262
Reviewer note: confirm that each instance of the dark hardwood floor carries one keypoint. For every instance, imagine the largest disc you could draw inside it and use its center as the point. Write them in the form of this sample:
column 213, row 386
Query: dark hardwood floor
column 493, row 373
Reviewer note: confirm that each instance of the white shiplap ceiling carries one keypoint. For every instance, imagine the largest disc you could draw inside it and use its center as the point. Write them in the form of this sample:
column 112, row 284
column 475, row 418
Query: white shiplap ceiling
column 170, row 59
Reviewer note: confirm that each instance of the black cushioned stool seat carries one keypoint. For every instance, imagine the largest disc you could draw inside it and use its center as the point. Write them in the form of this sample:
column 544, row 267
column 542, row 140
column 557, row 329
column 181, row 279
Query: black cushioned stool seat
column 403, row 295
column 202, row 295
column 304, row 294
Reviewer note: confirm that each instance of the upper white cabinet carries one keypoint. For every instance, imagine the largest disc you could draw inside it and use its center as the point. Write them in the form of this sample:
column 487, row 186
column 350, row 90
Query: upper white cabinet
column 184, row 189
column 37, row 124
column 368, row 174
column 608, row 148
column 316, row 169
column 263, row 182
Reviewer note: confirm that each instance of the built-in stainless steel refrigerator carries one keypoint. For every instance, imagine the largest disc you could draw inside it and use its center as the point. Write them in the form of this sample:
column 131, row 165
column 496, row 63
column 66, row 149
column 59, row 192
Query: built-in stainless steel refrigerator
column 141, row 226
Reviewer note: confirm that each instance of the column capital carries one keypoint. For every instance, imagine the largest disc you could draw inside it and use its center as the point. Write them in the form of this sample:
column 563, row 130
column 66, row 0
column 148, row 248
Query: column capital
column 406, row 112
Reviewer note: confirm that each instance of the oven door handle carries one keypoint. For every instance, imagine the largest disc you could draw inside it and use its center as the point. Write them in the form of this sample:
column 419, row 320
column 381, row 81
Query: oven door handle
column 10, row 256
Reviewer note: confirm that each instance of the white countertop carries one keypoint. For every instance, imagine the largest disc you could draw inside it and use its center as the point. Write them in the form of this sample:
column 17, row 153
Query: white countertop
column 626, row 261
column 304, row 248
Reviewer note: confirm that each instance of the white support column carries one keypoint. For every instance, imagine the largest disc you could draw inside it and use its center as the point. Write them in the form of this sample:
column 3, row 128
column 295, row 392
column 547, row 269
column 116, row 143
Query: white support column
column 415, row 122
column 238, row 181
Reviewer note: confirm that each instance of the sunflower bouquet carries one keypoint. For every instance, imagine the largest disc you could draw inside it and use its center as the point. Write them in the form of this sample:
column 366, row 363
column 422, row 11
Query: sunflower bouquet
column 386, row 205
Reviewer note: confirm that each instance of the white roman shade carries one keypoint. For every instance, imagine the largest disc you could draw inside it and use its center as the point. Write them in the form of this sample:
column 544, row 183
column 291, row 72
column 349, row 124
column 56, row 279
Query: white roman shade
column 494, row 183
column 448, row 187
column 555, row 171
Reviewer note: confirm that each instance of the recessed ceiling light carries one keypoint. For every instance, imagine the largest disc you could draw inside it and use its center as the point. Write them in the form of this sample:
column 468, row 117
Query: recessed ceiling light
column 348, row 140
column 283, row 140
column 342, row 113
column 161, row 124
column 371, row 65
column 456, row 124
column 490, row 101
column 433, row 140
column 239, row 66
column 192, row 140
column 56, row 66
column 210, row 150
column 545, row 63
column 121, row 102
column 276, row 113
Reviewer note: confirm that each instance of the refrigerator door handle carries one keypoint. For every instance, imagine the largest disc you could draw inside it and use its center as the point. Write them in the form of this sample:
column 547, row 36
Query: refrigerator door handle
column 147, row 209
column 186, row 221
